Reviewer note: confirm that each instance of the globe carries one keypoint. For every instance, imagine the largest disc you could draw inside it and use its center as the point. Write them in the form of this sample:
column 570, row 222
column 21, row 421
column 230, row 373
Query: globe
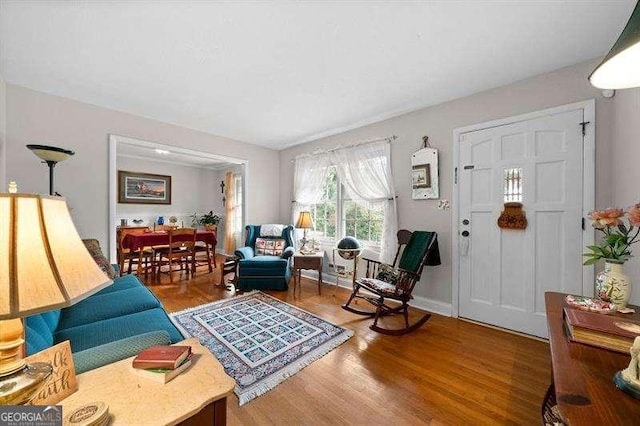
column 349, row 248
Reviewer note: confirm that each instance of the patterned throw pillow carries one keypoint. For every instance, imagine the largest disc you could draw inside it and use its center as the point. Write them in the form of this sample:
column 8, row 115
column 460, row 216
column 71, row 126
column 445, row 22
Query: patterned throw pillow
column 269, row 246
column 387, row 274
column 93, row 246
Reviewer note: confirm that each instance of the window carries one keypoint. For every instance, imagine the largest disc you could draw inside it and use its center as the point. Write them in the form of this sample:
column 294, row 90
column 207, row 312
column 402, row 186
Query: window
column 512, row 179
column 325, row 212
column 356, row 221
column 237, row 208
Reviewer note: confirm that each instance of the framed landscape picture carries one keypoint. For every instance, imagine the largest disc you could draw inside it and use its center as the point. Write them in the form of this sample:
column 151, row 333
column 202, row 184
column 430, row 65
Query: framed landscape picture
column 143, row 188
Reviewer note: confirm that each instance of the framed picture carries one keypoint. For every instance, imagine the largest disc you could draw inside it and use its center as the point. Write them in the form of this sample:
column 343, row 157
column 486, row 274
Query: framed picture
column 143, row 188
column 421, row 176
column 424, row 174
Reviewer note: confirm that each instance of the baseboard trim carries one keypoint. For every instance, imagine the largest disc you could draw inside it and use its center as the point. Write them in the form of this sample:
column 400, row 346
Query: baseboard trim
column 420, row 302
column 506, row 330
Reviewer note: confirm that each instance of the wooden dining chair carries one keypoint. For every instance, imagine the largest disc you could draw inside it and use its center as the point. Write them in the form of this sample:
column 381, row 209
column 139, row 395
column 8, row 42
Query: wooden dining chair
column 181, row 247
column 209, row 250
column 124, row 254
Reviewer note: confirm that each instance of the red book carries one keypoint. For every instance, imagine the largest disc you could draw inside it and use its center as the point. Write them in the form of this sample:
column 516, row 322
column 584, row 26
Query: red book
column 162, row 356
column 611, row 332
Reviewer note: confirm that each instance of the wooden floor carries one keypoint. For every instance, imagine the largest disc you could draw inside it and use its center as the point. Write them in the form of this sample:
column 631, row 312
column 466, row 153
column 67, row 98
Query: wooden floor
column 449, row 372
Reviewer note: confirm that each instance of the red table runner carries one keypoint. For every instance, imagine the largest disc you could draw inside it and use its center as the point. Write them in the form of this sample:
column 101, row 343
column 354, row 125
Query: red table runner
column 150, row 239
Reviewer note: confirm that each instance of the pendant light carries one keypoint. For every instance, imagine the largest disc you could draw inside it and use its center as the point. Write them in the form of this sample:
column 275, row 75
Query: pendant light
column 620, row 69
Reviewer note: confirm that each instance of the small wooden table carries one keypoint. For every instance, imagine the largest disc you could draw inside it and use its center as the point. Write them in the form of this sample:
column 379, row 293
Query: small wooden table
column 311, row 261
column 197, row 396
column 583, row 375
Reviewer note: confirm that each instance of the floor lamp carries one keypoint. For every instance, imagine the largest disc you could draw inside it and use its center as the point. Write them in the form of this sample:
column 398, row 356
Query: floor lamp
column 44, row 265
column 51, row 155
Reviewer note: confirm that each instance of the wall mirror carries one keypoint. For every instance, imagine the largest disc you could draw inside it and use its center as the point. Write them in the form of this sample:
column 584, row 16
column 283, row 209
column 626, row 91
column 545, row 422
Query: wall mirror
column 424, row 174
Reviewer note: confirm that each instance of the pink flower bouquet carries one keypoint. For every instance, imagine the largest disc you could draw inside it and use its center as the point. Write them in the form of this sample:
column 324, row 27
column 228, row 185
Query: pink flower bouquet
column 618, row 237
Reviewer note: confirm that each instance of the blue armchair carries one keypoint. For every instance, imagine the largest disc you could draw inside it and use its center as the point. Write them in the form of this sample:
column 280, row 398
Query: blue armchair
column 264, row 262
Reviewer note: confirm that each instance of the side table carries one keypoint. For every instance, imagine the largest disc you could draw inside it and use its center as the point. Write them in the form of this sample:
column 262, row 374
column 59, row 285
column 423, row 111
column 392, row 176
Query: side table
column 311, row 261
column 197, row 396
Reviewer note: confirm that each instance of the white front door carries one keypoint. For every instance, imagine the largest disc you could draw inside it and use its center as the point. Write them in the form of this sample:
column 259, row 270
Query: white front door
column 504, row 273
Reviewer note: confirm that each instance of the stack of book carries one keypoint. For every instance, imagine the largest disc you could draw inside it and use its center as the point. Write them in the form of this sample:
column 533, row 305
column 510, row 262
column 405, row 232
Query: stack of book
column 162, row 363
column 612, row 332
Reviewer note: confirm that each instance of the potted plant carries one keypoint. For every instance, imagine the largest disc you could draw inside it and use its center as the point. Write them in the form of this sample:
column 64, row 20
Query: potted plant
column 208, row 220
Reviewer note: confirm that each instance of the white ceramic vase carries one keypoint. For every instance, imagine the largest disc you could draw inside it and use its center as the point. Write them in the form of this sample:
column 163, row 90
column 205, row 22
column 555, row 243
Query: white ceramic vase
column 613, row 285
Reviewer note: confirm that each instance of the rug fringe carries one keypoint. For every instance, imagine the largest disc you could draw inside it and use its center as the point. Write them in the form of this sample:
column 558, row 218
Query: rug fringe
column 291, row 369
column 261, row 387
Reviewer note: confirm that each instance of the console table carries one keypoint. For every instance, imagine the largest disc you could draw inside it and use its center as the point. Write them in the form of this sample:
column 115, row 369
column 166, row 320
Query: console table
column 197, row 396
column 583, row 375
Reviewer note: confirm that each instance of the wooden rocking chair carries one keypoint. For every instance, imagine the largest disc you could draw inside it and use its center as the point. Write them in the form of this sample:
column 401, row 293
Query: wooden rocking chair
column 396, row 282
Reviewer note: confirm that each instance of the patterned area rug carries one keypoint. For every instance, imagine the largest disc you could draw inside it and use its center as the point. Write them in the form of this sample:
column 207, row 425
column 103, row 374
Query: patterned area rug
column 260, row 340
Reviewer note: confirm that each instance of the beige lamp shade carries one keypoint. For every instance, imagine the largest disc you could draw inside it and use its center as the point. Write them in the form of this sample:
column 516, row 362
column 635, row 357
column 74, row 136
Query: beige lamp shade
column 304, row 221
column 44, row 264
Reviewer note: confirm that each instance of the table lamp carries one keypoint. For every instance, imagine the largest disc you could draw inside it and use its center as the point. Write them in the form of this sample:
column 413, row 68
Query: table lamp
column 304, row 222
column 51, row 155
column 44, row 265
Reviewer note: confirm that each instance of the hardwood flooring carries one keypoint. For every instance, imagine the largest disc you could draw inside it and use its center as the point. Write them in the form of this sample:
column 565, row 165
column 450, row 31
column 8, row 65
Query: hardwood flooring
column 449, row 372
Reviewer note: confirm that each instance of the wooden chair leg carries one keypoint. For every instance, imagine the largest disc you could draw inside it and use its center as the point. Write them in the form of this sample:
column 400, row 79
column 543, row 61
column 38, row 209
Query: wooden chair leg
column 209, row 259
column 378, row 312
column 406, row 314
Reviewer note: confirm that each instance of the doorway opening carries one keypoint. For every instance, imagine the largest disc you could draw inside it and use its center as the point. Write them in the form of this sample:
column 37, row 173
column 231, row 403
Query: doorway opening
column 197, row 187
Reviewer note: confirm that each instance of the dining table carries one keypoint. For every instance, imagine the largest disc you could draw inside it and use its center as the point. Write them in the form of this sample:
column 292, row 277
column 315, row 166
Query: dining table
column 138, row 241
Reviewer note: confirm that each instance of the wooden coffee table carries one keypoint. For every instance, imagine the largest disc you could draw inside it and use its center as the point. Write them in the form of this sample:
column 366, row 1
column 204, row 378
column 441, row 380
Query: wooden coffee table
column 197, row 396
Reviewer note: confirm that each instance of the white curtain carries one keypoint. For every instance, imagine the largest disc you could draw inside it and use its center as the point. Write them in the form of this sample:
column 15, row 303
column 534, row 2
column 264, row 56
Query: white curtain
column 365, row 172
column 308, row 182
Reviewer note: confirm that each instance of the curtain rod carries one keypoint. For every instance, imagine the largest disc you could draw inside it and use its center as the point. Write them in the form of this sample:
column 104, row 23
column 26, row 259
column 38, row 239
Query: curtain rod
column 387, row 139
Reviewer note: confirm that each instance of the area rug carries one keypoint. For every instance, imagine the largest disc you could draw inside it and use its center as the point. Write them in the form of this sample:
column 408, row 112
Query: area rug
column 259, row 340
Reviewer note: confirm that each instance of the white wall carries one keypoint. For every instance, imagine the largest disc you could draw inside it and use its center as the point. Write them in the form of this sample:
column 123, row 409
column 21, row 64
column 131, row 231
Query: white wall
column 192, row 191
column 3, row 135
column 624, row 170
column 36, row 117
column 560, row 87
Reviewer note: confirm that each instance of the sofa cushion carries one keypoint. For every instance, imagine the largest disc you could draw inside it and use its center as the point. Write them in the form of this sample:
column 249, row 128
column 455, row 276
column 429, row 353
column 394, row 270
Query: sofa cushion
column 103, row 306
column 110, row 330
column 121, row 283
column 93, row 246
column 269, row 246
column 115, row 351
column 39, row 330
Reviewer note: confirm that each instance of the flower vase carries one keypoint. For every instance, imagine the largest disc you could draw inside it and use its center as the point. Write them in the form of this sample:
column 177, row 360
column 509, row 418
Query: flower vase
column 613, row 285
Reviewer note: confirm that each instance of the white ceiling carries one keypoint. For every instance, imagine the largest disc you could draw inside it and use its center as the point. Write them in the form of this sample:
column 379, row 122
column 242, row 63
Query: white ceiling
column 281, row 73
column 165, row 154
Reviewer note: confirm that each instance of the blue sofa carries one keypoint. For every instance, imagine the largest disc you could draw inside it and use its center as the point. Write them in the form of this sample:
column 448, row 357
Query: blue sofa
column 260, row 271
column 115, row 323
